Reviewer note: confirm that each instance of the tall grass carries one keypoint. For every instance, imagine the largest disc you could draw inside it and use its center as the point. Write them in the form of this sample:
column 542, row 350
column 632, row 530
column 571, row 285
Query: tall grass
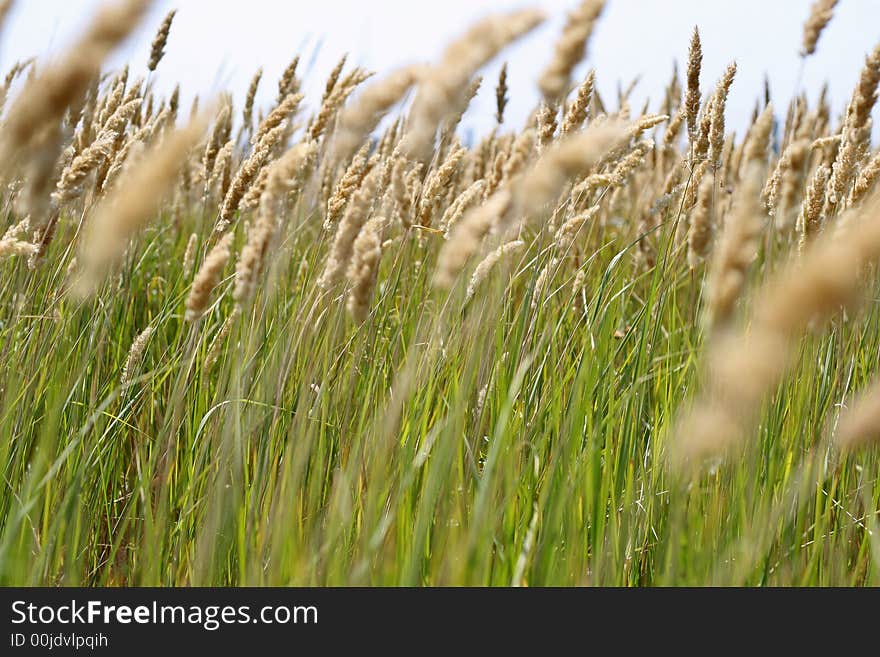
column 517, row 433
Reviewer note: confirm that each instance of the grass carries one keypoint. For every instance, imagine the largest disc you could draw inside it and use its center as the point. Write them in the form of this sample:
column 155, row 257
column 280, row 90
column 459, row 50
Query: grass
column 518, row 437
column 490, row 444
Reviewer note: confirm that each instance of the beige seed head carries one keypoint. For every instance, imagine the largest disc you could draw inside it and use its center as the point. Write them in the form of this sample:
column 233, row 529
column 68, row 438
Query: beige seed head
column 467, row 235
column 570, row 49
column 135, row 355
column 401, row 191
column 189, row 256
column 131, row 205
column 435, row 185
column 441, row 91
column 566, row 159
column 738, row 243
column 546, row 118
column 501, row 97
column 245, row 176
column 346, row 186
column 207, row 279
column 284, row 175
column 856, row 133
column 820, row 15
column 692, row 92
column 360, row 118
column 10, row 246
column 859, row 425
column 701, row 226
column 215, row 349
column 47, row 96
column 288, row 83
column 159, row 41
column 251, row 198
column 333, row 78
column 745, row 368
column 867, row 179
column 810, row 219
column 460, row 205
column 788, row 195
column 364, row 267
column 482, row 270
column 284, row 110
column 521, row 152
column 330, row 107
column 248, row 110
column 349, row 227
column 719, row 102
column 219, row 135
column 577, row 110
column 70, row 182
column 571, row 228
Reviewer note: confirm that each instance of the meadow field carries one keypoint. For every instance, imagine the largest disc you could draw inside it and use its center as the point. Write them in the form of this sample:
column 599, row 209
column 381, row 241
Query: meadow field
column 337, row 341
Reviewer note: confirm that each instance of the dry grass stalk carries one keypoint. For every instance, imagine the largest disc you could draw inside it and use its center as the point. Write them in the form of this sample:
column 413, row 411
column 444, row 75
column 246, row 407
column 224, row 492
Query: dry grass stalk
column 284, row 175
column 131, row 205
column 435, row 185
column 189, row 256
column 576, row 113
column 362, row 116
column 692, row 93
column 70, row 184
column 482, row 270
column 288, row 84
column 10, row 245
column 207, row 279
column 333, row 78
column 349, row 227
column 859, row 425
column 570, row 50
column 867, row 179
column 334, row 102
column 526, row 195
column 364, row 267
column 787, row 197
column 820, row 15
column 215, row 349
column 441, row 90
column 810, row 220
column 247, row 113
column 546, row 124
column 245, row 176
column 283, row 111
column 462, row 203
column 566, row 159
column 501, row 96
column 719, row 102
column 135, row 355
column 466, row 236
column 346, row 186
column 450, row 124
column 158, row 48
column 738, row 243
column 46, row 97
column 219, row 135
column 856, row 133
column 521, row 152
column 745, row 367
column 701, row 226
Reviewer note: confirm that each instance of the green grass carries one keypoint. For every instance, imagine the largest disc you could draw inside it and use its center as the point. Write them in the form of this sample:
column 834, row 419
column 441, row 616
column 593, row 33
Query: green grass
column 437, row 443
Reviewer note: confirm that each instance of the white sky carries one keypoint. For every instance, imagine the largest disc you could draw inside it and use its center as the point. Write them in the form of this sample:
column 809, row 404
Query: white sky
column 218, row 44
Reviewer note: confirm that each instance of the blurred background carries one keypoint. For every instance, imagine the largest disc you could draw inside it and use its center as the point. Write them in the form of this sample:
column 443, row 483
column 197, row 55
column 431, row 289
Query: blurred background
column 218, row 44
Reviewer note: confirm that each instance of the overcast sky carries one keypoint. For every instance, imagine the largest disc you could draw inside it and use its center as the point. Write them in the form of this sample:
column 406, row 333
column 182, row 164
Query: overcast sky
column 218, row 44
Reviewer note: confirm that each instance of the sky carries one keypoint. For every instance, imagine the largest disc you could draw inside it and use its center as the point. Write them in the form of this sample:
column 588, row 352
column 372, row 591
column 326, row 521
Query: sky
column 217, row 45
